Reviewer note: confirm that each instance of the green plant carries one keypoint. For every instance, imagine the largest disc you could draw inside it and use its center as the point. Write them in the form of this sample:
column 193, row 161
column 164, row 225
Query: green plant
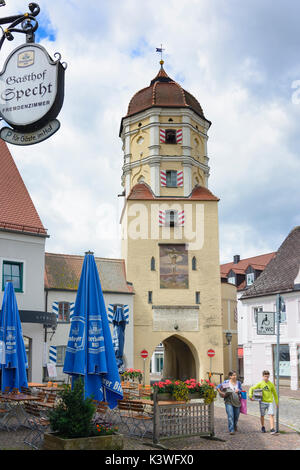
column 180, row 392
column 73, row 415
column 133, row 374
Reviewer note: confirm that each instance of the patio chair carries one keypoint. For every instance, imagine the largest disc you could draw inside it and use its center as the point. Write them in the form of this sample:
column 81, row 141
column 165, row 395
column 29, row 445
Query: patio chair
column 26, row 390
column 134, row 417
column 36, row 425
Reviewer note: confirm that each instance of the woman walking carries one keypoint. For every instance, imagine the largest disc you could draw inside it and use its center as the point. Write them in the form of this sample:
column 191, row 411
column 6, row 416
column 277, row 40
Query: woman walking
column 230, row 390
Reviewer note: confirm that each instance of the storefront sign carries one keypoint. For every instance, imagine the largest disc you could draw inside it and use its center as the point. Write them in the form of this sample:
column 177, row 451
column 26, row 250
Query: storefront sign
column 46, row 318
column 20, row 138
column 31, row 94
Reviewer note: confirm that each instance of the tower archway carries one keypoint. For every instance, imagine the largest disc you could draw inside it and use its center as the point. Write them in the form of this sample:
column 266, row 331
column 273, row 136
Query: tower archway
column 180, row 359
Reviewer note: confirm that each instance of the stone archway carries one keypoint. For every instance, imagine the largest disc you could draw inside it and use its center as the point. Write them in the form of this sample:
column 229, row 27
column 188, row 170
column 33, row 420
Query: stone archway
column 179, row 360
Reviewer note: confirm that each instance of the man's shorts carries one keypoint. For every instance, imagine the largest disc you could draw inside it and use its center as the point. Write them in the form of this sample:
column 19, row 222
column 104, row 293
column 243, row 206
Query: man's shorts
column 266, row 407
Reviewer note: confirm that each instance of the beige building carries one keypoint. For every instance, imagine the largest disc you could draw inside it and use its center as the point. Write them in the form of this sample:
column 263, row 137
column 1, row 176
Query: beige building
column 230, row 330
column 170, row 230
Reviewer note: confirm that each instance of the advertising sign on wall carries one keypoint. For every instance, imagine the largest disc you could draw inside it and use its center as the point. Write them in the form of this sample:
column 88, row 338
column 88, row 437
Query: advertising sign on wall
column 31, row 94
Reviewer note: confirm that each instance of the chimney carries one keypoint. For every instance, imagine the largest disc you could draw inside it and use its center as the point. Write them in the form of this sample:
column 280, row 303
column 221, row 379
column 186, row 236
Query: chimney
column 236, row 259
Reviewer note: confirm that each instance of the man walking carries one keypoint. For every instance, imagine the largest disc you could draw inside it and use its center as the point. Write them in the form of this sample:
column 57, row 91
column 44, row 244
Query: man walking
column 266, row 400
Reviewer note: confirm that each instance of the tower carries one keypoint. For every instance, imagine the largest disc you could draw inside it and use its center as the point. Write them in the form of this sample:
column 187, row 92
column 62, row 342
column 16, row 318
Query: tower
column 170, row 230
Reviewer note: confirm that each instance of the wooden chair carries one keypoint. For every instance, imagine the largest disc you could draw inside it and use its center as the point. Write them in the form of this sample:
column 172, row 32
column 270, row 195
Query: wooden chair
column 36, row 425
column 134, row 417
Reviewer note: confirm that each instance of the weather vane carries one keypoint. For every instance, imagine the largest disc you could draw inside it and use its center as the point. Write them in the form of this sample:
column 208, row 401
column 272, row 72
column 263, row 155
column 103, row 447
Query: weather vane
column 160, row 49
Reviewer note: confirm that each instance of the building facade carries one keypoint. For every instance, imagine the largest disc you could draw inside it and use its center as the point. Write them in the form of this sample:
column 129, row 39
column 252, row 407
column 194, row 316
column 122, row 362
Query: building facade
column 170, row 230
column 281, row 276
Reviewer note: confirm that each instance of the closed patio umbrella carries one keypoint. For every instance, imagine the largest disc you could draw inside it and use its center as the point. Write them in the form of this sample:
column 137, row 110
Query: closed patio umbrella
column 12, row 349
column 90, row 352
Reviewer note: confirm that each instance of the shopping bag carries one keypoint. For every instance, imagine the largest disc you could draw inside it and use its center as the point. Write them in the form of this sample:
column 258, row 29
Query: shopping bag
column 243, row 408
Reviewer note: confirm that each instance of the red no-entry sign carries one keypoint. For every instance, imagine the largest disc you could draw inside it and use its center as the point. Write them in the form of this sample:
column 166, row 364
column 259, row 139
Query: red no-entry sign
column 211, row 353
column 144, row 354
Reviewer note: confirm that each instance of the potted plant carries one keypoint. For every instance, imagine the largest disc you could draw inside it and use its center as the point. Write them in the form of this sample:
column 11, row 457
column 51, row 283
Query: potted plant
column 190, row 389
column 73, row 425
column 133, row 374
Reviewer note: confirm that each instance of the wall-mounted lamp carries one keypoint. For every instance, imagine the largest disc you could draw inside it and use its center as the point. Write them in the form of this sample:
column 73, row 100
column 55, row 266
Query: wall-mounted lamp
column 228, row 336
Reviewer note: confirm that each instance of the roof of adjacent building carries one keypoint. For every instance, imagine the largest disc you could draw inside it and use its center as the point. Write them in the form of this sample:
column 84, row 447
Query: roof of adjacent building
column 163, row 91
column 62, row 272
column 142, row 191
column 17, row 211
column 279, row 275
column 257, row 262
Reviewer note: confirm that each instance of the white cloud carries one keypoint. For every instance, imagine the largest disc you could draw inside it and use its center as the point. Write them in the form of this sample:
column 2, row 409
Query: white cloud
column 75, row 176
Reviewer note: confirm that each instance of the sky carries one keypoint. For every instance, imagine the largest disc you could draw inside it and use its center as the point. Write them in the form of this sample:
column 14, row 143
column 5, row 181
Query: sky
column 240, row 59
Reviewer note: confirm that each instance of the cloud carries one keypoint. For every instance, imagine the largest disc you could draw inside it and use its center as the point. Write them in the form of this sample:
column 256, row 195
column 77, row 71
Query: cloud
column 238, row 59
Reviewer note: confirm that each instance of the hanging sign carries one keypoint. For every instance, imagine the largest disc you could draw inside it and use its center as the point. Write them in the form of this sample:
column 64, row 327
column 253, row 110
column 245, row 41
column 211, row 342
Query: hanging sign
column 31, row 94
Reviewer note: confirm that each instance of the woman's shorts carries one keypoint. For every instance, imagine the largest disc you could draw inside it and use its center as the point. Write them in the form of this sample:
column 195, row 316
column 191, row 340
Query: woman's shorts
column 266, row 407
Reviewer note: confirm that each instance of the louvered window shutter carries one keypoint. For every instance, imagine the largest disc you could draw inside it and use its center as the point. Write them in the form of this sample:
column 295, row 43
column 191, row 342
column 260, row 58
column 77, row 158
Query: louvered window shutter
column 162, row 136
column 163, row 178
column 162, row 218
column 179, row 178
column 180, row 218
column 179, row 136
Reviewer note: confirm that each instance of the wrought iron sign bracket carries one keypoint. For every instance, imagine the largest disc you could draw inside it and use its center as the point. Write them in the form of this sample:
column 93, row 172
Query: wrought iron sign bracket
column 27, row 21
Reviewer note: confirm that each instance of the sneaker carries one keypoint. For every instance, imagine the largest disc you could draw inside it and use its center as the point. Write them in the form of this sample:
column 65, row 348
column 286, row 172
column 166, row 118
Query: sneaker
column 273, row 431
column 263, row 429
column 232, row 432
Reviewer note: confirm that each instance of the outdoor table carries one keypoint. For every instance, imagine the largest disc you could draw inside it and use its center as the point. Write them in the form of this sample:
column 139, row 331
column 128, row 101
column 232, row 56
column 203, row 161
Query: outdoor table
column 36, row 385
column 14, row 402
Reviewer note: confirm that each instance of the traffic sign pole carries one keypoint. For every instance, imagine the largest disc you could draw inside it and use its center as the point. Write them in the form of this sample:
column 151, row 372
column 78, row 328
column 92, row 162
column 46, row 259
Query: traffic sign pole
column 277, row 356
column 144, row 355
column 210, row 353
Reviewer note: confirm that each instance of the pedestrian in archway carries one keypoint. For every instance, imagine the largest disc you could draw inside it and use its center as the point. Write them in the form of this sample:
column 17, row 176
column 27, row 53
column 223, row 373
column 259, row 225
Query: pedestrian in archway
column 230, row 390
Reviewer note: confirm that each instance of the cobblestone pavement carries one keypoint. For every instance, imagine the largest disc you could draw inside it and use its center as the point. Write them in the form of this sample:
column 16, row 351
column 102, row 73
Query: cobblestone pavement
column 248, row 436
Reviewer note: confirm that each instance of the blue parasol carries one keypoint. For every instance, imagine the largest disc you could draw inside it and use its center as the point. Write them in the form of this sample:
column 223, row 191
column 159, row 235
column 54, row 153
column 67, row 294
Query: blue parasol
column 90, row 352
column 119, row 321
column 12, row 349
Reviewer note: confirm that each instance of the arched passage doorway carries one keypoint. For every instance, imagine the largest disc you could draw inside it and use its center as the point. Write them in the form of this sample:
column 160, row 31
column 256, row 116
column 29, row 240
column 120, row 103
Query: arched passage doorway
column 178, row 359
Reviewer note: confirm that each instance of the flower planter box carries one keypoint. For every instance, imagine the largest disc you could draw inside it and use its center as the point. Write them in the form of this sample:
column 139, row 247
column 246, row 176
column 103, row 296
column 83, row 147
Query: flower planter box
column 110, row 442
column 195, row 395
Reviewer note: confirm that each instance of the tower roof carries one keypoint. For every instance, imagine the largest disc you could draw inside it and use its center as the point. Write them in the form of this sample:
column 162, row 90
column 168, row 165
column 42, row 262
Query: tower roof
column 17, row 211
column 163, row 91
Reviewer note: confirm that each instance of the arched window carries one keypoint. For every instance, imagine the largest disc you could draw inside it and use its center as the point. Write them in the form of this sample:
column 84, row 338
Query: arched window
column 194, row 264
column 152, row 263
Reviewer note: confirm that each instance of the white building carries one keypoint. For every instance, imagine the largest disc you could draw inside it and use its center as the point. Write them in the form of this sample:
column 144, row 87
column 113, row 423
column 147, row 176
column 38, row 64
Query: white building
column 281, row 276
column 22, row 254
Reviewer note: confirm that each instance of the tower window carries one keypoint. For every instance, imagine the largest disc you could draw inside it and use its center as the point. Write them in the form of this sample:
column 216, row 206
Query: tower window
column 171, row 218
column 170, row 136
column 194, row 264
column 197, row 298
column 171, row 178
column 150, row 297
column 152, row 263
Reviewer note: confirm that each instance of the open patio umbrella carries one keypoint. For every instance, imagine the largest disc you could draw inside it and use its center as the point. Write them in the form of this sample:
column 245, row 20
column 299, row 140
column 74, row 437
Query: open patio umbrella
column 119, row 322
column 90, row 352
column 12, row 349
